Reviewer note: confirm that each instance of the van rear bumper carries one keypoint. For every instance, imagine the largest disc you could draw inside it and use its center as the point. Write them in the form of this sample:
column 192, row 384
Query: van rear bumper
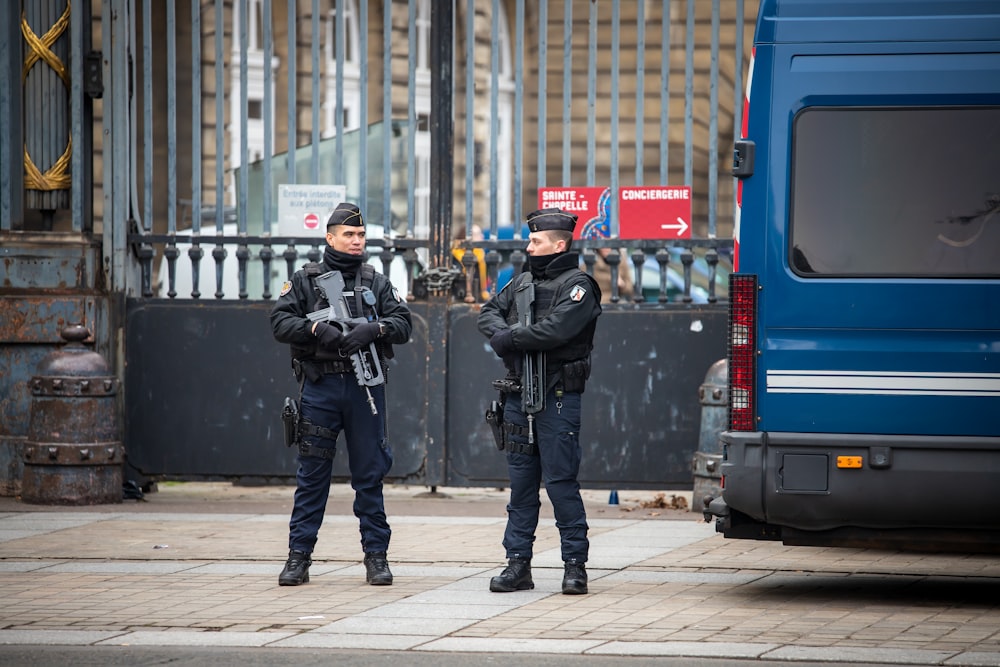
column 826, row 482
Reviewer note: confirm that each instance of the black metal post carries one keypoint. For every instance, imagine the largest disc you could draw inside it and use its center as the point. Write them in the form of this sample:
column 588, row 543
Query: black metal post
column 442, row 167
column 11, row 131
column 442, row 130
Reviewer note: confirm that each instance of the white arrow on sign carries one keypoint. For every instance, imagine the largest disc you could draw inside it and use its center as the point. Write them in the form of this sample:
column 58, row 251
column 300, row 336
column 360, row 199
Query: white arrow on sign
column 681, row 226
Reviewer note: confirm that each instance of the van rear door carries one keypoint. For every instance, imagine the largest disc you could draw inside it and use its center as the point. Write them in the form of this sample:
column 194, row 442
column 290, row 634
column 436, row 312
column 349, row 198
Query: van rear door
column 880, row 293
column 864, row 359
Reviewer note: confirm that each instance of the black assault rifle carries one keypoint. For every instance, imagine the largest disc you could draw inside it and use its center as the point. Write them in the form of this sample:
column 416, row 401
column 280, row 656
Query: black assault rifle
column 533, row 369
column 366, row 363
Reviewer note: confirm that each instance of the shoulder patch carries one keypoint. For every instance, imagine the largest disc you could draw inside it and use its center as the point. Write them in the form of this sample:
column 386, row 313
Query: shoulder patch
column 286, row 288
column 395, row 295
column 577, row 293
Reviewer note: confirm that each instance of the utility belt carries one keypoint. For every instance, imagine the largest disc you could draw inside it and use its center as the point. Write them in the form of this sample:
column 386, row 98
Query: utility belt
column 573, row 376
column 331, row 367
column 314, row 370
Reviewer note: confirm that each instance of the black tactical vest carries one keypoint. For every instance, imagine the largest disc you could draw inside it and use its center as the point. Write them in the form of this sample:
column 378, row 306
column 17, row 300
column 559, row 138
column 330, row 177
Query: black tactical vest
column 579, row 346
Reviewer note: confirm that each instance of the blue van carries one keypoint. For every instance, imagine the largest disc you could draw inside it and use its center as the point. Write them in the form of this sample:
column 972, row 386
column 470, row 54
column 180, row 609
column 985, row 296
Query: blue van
column 864, row 336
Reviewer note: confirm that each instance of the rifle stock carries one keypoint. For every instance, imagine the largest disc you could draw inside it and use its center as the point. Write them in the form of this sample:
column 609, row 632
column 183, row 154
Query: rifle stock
column 366, row 363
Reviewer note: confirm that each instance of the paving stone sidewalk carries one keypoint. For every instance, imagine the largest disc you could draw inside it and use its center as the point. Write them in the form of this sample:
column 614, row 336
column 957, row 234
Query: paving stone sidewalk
column 190, row 568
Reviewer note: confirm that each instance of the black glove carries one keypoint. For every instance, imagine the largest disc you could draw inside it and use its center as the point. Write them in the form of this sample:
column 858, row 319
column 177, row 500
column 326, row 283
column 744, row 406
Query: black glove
column 359, row 337
column 329, row 336
column 502, row 342
column 512, row 361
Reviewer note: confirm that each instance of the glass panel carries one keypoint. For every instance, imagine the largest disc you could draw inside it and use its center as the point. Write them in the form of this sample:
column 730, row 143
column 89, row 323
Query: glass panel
column 896, row 192
column 373, row 204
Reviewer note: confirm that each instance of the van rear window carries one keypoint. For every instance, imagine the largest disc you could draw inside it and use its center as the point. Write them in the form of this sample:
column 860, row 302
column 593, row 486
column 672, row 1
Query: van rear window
column 896, row 192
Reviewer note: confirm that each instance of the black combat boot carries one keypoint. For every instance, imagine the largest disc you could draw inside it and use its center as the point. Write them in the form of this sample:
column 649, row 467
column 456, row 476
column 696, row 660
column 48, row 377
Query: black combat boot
column 377, row 569
column 574, row 578
column 515, row 577
column 296, row 569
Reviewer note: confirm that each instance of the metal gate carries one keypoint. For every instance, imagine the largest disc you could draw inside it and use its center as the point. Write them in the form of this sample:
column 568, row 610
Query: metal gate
column 443, row 120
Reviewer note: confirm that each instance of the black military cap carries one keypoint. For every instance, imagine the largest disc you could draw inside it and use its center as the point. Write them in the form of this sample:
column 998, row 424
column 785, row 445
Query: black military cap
column 346, row 213
column 551, row 218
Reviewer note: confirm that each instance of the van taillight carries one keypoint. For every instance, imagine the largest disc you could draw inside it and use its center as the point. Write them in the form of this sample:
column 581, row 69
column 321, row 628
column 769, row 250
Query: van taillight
column 742, row 351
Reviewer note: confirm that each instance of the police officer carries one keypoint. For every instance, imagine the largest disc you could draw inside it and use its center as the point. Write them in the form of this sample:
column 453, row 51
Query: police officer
column 565, row 311
column 332, row 400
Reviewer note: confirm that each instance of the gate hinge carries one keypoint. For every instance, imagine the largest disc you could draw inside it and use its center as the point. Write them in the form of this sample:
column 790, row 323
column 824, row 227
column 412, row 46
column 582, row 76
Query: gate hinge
column 93, row 78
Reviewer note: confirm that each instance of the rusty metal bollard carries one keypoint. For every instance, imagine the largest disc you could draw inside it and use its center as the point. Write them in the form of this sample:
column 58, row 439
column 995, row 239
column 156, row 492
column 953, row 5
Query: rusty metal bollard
column 714, row 398
column 73, row 453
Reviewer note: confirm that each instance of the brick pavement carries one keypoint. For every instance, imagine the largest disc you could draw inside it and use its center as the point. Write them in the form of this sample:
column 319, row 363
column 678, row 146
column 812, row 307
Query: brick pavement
column 195, row 568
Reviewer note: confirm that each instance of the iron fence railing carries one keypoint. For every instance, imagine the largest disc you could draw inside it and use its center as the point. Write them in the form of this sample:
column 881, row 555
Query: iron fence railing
column 249, row 77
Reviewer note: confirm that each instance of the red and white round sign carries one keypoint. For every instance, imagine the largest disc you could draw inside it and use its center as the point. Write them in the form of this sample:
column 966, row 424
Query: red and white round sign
column 311, row 221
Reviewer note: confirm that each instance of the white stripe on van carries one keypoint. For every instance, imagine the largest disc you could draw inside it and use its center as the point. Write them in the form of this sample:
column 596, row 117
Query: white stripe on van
column 883, row 382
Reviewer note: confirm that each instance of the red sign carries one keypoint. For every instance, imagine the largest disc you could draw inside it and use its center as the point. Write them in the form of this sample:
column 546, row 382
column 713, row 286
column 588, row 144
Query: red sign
column 590, row 205
column 655, row 212
column 311, row 221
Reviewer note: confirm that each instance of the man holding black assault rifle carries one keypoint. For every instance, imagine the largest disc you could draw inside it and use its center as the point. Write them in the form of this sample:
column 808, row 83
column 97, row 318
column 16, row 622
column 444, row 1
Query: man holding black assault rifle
column 340, row 317
column 542, row 326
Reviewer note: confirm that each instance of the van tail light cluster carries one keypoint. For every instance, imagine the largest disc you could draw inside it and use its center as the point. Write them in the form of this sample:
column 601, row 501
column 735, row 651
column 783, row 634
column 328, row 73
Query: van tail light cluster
column 742, row 353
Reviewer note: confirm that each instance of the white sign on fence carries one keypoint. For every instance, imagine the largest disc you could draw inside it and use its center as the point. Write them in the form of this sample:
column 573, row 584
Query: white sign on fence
column 304, row 209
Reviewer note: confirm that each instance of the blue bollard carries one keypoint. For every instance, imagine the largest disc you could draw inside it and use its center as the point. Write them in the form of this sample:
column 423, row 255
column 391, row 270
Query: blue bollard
column 613, row 498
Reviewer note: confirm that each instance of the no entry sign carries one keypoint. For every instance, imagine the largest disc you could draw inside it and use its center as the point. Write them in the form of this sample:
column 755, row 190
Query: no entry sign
column 304, row 209
column 655, row 212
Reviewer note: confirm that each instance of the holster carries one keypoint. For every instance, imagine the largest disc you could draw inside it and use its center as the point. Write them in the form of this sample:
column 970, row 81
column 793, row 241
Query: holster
column 290, row 421
column 494, row 417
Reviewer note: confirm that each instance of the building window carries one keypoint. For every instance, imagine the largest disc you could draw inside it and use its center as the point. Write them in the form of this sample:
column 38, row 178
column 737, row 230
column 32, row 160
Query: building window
column 350, row 72
column 255, row 86
column 900, row 192
column 505, row 116
column 422, row 112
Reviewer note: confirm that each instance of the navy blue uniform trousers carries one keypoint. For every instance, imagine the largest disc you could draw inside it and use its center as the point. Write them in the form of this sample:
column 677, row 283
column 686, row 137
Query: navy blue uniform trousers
column 338, row 403
column 556, row 464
